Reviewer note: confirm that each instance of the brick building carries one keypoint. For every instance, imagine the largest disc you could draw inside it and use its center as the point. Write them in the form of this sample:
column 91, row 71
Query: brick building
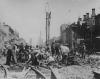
column 88, row 30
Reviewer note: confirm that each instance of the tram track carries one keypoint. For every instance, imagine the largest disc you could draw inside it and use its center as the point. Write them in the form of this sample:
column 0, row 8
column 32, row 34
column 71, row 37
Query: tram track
column 32, row 72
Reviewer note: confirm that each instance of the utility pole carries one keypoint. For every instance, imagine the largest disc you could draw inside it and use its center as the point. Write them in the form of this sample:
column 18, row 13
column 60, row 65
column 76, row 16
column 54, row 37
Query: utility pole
column 40, row 40
column 72, row 40
column 48, row 19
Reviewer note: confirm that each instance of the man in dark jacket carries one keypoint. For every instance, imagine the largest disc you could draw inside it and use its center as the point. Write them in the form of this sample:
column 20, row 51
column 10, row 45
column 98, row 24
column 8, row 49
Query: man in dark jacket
column 9, row 56
column 53, row 49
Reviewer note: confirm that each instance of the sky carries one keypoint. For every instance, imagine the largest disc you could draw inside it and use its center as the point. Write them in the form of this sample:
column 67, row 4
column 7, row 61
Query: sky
column 28, row 16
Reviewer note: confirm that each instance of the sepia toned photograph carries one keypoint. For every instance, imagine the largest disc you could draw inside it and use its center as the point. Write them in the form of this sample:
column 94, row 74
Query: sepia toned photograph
column 49, row 39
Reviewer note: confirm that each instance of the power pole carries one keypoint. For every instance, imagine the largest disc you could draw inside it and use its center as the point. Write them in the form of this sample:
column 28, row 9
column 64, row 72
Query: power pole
column 48, row 19
column 40, row 40
column 72, row 40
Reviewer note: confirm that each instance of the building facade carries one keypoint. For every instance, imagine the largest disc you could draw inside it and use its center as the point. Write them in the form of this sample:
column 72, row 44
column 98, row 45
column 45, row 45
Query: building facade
column 88, row 30
column 67, row 36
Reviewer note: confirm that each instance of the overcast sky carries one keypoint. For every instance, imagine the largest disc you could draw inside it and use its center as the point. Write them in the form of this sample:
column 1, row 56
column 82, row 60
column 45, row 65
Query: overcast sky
column 28, row 16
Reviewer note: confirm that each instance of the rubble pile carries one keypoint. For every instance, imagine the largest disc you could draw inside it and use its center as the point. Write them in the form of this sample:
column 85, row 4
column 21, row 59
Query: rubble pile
column 87, row 61
column 76, row 72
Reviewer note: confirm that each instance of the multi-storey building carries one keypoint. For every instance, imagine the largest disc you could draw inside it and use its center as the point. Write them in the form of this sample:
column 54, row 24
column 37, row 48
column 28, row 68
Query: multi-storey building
column 88, row 30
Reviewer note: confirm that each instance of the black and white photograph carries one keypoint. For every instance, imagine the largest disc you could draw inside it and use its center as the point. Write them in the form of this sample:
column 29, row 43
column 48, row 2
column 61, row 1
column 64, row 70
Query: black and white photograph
column 49, row 39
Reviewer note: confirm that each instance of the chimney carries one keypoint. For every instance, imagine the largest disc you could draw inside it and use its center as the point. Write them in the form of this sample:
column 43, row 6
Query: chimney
column 93, row 12
column 79, row 19
column 87, row 15
column 84, row 17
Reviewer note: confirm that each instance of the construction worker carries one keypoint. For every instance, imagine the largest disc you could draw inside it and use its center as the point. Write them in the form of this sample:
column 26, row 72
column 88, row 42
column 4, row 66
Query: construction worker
column 9, row 56
column 33, row 59
column 64, row 50
column 53, row 49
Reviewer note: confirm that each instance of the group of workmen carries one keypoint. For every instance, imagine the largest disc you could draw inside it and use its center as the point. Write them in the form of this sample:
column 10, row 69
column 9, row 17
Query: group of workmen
column 34, row 55
column 18, row 53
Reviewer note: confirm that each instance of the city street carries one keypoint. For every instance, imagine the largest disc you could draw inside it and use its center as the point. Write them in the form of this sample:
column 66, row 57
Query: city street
column 49, row 39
